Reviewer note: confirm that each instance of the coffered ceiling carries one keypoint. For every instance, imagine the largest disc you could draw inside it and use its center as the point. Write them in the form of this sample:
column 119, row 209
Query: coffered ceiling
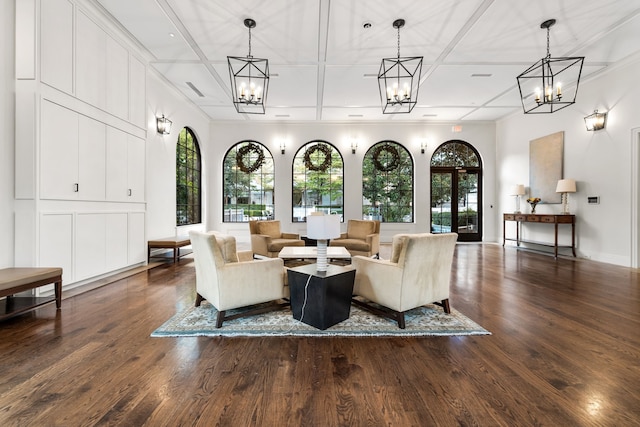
column 324, row 60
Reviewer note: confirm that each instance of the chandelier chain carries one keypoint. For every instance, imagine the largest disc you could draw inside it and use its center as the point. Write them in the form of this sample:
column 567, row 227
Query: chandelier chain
column 398, row 42
column 249, row 56
column 548, row 38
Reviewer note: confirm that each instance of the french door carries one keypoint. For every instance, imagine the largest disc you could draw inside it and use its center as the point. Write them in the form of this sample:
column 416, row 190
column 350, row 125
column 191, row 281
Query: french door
column 456, row 206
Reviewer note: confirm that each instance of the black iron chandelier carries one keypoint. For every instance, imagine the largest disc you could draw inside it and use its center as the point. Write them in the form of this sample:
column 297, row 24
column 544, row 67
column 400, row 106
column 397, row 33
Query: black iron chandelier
column 399, row 80
column 249, row 79
column 550, row 84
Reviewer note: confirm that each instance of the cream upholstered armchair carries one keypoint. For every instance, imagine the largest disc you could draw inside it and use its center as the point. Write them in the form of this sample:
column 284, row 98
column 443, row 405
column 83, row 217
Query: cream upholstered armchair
column 227, row 282
column 267, row 239
column 418, row 273
column 362, row 237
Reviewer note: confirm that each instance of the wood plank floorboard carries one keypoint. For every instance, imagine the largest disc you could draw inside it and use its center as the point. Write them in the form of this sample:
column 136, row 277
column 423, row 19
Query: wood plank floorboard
column 564, row 351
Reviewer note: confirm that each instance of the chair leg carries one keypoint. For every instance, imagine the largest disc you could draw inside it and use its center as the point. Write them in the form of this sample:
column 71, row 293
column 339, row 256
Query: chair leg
column 401, row 323
column 445, row 306
column 220, row 319
column 199, row 300
column 398, row 316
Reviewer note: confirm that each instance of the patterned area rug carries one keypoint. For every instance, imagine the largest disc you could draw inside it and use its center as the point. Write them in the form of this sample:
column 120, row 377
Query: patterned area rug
column 428, row 320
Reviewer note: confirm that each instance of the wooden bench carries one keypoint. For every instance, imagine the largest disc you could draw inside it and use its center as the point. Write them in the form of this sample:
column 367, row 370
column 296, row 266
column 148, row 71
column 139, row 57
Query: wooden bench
column 174, row 243
column 15, row 280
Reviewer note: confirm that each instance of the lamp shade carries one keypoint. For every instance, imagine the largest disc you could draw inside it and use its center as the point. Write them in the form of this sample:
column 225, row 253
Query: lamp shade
column 566, row 186
column 323, row 227
column 517, row 190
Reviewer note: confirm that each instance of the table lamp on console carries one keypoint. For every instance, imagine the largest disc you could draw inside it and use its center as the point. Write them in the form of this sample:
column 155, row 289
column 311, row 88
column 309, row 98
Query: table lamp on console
column 322, row 227
column 566, row 186
column 518, row 191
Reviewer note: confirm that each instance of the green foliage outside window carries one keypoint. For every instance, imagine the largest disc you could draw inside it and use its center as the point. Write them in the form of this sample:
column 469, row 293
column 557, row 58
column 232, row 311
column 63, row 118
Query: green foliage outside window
column 248, row 183
column 387, row 183
column 188, row 179
column 318, row 180
column 468, row 216
column 454, row 154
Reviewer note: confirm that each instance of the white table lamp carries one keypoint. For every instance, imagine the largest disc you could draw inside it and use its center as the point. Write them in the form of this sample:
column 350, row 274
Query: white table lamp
column 517, row 190
column 566, row 186
column 323, row 228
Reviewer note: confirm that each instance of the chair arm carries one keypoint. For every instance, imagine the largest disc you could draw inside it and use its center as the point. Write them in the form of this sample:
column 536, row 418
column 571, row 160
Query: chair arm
column 364, row 262
column 251, row 282
column 290, row 236
column 260, row 244
column 342, row 236
column 378, row 280
column 245, row 256
column 374, row 242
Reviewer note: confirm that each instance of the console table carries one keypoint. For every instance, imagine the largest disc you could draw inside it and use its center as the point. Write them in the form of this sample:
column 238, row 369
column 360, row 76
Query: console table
column 541, row 219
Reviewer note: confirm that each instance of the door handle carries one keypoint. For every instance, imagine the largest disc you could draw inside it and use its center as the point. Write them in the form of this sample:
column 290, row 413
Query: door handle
column 76, row 187
column 130, row 192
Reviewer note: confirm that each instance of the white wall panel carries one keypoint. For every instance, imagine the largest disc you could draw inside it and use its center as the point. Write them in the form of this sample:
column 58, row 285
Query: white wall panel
column 90, row 247
column 137, row 241
column 117, row 245
column 91, row 158
column 56, row 44
column 117, row 79
column 25, row 39
column 137, row 92
column 91, row 53
column 25, row 147
column 58, row 152
column 116, row 165
column 136, row 154
column 56, row 244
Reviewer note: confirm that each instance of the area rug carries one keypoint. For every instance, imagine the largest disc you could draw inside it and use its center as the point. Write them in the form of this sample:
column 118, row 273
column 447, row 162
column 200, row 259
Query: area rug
column 427, row 320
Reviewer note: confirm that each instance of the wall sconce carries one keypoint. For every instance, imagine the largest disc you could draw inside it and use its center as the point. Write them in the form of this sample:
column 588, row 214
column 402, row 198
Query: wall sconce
column 354, row 146
column 423, row 145
column 283, row 145
column 595, row 121
column 164, row 125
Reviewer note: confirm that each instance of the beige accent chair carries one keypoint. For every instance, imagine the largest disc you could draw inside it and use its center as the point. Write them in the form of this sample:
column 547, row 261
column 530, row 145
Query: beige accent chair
column 418, row 273
column 362, row 238
column 228, row 281
column 267, row 239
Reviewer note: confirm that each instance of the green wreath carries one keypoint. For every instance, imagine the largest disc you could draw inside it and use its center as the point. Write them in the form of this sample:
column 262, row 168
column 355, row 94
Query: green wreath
column 247, row 150
column 326, row 162
column 386, row 165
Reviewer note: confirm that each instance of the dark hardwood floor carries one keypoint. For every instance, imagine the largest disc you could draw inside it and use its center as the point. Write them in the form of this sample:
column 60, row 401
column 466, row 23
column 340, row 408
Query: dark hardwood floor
column 564, row 351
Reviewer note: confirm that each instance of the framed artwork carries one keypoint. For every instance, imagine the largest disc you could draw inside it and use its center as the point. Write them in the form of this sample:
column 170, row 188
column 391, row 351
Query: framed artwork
column 545, row 167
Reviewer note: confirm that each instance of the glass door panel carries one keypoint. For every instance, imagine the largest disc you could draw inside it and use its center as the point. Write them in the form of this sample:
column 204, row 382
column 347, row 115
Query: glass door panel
column 467, row 202
column 441, row 190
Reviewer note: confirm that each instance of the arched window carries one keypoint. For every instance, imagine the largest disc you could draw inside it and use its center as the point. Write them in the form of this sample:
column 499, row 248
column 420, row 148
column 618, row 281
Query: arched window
column 456, row 190
column 188, row 179
column 248, row 180
column 318, row 180
column 387, row 183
